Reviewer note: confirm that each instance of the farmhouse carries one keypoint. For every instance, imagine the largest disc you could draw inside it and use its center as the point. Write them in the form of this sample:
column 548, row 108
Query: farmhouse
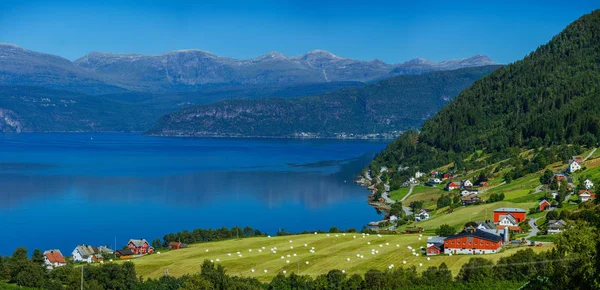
column 471, row 200
column 435, row 249
column 508, row 221
column 473, row 241
column 87, row 253
column 434, row 181
column 53, row 259
column 588, row 184
column 573, row 166
column 467, row 183
column 518, row 214
column 176, row 245
column 556, row 226
column 466, row 192
column 447, row 176
column 422, row 215
column 543, row 205
column 419, row 174
column 586, row 195
column 124, row 254
column 140, row 246
column 452, row 186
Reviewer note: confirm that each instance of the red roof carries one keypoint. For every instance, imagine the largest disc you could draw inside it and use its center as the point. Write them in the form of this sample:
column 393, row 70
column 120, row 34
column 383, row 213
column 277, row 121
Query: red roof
column 55, row 256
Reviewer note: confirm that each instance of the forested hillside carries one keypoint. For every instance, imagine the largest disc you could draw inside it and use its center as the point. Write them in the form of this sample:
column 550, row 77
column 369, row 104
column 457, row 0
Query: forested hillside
column 397, row 103
column 550, row 97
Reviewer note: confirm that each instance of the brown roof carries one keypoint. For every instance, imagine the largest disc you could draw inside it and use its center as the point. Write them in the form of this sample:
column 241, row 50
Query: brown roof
column 55, row 256
column 174, row 243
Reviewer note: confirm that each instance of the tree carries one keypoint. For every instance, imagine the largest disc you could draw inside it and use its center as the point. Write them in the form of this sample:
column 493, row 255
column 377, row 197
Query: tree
column 416, row 205
column 552, row 215
column 476, row 270
column 445, row 230
column 279, row 282
column 546, row 177
column 336, row 279
column 38, row 256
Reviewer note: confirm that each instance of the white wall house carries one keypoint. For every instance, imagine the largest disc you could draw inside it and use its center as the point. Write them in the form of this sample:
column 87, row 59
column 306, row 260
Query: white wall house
column 588, row 184
column 507, row 220
column 419, row 174
column 422, row 215
column 467, row 183
column 586, row 195
column 574, row 166
column 435, row 181
column 556, row 226
column 53, row 259
column 83, row 253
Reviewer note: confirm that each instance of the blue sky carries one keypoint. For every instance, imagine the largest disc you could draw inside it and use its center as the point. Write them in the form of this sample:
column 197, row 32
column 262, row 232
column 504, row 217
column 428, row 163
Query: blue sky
column 393, row 31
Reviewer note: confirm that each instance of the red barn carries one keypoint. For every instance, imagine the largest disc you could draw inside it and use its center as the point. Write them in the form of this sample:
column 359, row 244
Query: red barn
column 544, row 205
column 435, row 249
column 518, row 213
column 473, row 241
column 140, row 246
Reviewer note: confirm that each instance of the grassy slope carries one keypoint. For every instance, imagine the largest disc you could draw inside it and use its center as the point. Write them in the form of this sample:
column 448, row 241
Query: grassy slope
column 331, row 253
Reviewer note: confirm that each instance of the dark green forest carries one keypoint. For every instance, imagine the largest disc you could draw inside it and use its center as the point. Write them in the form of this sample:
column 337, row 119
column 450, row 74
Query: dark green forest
column 551, row 97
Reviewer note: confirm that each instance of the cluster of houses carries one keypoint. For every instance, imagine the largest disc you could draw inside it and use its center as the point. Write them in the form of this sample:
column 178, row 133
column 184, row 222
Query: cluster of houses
column 485, row 238
column 92, row 254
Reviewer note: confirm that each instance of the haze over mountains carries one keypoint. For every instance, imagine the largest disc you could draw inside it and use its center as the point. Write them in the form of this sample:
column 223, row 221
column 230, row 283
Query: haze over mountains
column 185, row 70
column 41, row 92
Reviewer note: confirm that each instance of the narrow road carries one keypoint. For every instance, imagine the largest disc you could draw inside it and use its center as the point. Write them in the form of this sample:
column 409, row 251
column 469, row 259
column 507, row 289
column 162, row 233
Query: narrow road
column 534, row 228
column 590, row 155
column 499, row 184
column 409, row 192
column 386, row 197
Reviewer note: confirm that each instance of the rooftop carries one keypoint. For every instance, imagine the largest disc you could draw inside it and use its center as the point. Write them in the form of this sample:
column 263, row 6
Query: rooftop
column 510, row 209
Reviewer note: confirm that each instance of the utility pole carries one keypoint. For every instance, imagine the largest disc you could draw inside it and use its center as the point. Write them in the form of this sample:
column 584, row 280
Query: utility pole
column 81, row 277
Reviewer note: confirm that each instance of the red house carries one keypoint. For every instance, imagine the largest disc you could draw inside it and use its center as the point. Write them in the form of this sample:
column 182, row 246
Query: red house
column 176, row 245
column 435, row 249
column 519, row 214
column 140, row 246
column 473, row 241
column 544, row 205
column 452, row 186
column 447, row 176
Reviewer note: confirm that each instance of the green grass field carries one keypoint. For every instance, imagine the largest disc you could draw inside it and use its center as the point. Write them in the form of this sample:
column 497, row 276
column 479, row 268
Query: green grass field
column 331, row 252
column 399, row 193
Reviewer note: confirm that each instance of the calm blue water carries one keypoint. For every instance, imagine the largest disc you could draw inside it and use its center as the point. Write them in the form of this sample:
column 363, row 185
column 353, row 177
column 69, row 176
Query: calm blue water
column 60, row 190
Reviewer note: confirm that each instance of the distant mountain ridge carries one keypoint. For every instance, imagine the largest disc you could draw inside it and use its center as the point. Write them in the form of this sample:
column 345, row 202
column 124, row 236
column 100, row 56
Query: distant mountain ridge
column 385, row 107
column 187, row 70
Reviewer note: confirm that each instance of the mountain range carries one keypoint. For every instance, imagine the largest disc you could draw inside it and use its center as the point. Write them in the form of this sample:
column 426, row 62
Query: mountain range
column 393, row 104
column 188, row 70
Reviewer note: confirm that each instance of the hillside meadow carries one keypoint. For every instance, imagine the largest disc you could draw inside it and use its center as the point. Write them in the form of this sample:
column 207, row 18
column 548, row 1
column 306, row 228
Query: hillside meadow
column 331, row 251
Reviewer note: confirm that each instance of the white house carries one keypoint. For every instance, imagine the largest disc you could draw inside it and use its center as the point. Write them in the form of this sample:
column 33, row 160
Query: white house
column 467, row 183
column 435, row 181
column 554, row 194
column 383, row 169
column 393, row 218
column 508, row 221
column 419, row 174
column 585, row 195
column 88, row 254
column 588, row 184
column 53, row 259
column 573, row 166
column 422, row 215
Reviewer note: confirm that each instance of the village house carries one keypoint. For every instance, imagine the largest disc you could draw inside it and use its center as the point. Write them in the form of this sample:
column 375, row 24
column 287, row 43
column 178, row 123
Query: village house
column 466, row 201
column 394, row 219
column 383, row 169
column 447, row 176
column 400, row 168
column 467, row 192
column 124, row 254
column 419, row 174
column 176, row 245
column 586, row 195
column 588, row 184
column 467, row 183
column 518, row 214
column 422, row 215
column 433, row 181
column 543, row 205
column 474, row 241
column 53, row 259
column 87, row 253
column 435, row 249
column 554, row 194
column 486, row 225
column 508, row 221
column 556, row 226
column 573, row 166
column 452, row 186
column 559, row 177
column 140, row 247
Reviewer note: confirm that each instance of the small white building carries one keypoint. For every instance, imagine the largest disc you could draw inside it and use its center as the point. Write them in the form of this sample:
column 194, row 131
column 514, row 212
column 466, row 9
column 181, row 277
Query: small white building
column 393, row 218
column 383, row 169
column 467, row 183
column 422, row 215
column 53, row 259
column 419, row 174
column 574, row 166
column 508, row 221
column 586, row 195
column 435, row 181
column 588, row 184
